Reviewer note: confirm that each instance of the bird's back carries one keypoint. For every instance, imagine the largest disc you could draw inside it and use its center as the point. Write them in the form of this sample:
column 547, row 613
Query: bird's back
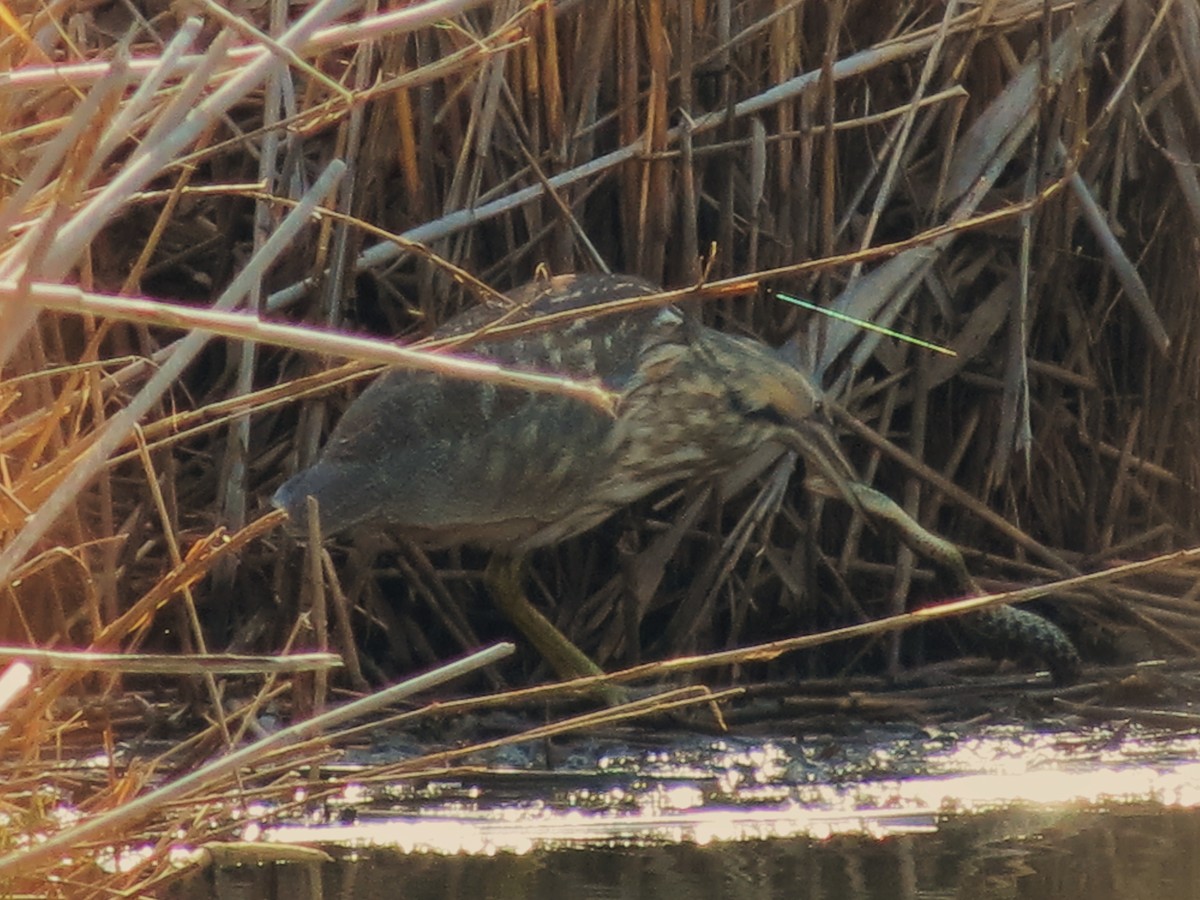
column 451, row 461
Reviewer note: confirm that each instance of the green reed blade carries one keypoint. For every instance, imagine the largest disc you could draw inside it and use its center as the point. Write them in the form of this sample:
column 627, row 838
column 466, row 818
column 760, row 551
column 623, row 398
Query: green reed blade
column 863, row 323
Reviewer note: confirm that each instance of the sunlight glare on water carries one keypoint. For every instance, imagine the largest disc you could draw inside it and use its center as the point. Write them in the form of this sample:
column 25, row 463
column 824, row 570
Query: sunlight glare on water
column 736, row 790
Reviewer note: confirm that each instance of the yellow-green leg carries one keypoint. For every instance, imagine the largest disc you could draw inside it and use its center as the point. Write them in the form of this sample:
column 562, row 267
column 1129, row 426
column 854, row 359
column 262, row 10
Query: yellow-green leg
column 505, row 579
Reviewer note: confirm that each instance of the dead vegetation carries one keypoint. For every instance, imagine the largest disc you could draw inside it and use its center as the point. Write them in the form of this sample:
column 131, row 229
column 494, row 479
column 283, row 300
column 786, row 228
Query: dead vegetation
column 1013, row 180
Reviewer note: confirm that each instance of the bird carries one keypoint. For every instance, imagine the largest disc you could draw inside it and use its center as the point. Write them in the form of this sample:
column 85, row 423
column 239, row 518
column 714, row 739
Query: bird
column 448, row 461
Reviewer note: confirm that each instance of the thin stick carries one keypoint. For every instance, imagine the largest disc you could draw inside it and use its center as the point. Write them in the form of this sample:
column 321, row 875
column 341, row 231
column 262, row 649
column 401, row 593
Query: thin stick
column 173, row 664
column 773, row 649
column 115, row 821
column 248, row 327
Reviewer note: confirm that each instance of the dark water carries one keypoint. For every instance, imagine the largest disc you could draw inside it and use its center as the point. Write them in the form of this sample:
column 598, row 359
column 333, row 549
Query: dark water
column 1004, row 813
column 1132, row 853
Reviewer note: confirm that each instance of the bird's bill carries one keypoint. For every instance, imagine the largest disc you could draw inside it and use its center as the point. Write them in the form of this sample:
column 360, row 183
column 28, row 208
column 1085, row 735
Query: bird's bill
column 822, row 452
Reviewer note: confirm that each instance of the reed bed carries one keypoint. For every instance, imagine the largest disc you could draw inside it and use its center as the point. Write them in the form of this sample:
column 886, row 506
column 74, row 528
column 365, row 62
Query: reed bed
column 213, row 227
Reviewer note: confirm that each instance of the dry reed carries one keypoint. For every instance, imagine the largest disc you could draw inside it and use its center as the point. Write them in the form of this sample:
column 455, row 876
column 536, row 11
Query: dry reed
column 1014, row 180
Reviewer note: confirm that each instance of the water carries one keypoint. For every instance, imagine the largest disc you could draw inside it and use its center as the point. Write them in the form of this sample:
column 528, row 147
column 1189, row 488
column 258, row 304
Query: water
column 892, row 812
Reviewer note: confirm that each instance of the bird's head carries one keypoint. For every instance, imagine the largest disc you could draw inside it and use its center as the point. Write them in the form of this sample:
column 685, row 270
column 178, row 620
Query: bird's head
column 719, row 397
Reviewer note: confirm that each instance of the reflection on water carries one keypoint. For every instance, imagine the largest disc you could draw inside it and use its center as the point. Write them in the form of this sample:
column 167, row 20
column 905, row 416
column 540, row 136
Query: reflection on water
column 1006, row 813
column 1123, row 854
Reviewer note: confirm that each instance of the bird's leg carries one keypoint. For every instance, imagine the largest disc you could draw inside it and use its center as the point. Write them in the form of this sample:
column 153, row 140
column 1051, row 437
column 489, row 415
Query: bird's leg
column 1006, row 630
column 505, row 577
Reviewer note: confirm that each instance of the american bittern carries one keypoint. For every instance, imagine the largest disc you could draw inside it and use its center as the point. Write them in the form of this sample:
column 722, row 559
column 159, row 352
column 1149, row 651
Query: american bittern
column 448, row 462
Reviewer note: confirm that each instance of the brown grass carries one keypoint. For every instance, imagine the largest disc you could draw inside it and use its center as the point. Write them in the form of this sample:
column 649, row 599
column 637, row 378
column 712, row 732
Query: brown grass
column 1014, row 180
